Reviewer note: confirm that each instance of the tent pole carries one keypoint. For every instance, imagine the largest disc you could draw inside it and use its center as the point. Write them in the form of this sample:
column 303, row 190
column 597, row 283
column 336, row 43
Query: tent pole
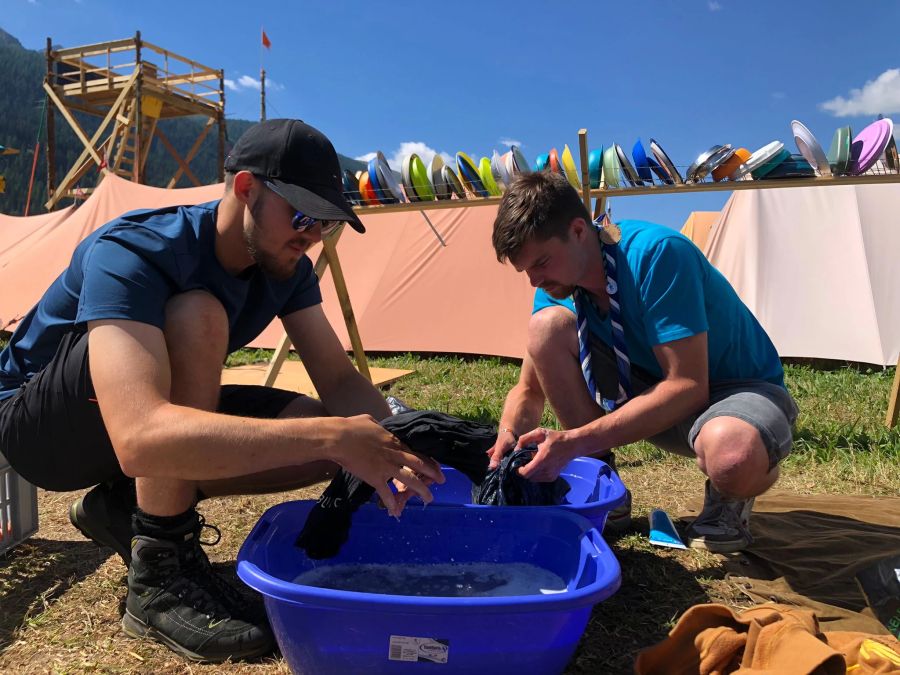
column 340, row 285
column 585, row 176
column 893, row 411
column 328, row 257
column 284, row 344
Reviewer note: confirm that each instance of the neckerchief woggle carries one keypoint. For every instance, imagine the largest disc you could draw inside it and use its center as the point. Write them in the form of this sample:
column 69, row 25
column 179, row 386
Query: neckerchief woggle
column 620, row 348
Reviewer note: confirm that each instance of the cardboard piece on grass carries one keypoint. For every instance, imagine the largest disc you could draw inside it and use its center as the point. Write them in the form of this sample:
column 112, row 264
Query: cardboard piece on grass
column 663, row 532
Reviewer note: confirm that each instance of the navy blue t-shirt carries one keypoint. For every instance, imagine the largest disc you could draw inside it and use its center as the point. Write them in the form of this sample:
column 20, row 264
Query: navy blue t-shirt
column 130, row 267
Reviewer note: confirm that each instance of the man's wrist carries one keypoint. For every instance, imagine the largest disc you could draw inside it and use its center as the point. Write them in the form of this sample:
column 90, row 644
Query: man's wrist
column 584, row 441
column 505, row 429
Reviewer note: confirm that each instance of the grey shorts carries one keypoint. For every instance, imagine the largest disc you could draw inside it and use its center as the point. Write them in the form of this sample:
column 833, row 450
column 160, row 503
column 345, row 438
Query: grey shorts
column 767, row 407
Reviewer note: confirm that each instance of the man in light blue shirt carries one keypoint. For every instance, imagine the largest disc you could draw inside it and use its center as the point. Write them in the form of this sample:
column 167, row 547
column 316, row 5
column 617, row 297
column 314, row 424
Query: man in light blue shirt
column 635, row 336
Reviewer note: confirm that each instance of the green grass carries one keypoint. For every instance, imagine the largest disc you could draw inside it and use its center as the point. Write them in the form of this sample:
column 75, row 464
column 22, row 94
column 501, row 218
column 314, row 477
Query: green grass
column 840, row 432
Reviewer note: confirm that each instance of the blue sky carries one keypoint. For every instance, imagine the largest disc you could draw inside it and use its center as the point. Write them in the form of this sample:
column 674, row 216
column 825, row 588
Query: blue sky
column 474, row 76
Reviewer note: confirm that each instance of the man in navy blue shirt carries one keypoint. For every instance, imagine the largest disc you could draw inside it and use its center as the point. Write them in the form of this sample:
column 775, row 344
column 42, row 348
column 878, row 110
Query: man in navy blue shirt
column 634, row 336
column 113, row 380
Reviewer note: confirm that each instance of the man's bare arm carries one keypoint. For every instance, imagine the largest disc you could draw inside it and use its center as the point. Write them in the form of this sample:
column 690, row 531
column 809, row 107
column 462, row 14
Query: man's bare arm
column 683, row 390
column 522, row 411
column 343, row 390
column 154, row 438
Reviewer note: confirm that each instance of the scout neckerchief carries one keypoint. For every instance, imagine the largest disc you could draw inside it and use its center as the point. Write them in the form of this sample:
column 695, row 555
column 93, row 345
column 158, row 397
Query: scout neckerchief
column 609, row 235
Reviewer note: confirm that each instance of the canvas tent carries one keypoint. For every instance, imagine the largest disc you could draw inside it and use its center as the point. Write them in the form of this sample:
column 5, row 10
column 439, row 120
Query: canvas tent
column 408, row 292
column 818, row 267
column 697, row 226
column 18, row 234
column 29, row 266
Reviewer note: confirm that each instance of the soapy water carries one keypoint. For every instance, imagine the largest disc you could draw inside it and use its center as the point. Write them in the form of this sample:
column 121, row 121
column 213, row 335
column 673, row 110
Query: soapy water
column 444, row 580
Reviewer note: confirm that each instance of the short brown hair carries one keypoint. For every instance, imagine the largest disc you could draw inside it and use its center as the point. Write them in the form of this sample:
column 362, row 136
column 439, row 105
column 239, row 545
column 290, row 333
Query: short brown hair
column 537, row 205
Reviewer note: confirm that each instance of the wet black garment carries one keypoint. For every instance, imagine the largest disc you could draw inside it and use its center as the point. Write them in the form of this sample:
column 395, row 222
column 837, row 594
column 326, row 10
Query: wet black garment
column 504, row 486
column 450, row 440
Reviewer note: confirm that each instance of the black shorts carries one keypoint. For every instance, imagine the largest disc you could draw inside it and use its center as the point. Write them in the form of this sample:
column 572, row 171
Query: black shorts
column 52, row 434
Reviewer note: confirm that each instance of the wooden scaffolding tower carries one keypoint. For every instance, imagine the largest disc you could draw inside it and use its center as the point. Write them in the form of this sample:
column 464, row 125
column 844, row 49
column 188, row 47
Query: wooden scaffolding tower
column 130, row 85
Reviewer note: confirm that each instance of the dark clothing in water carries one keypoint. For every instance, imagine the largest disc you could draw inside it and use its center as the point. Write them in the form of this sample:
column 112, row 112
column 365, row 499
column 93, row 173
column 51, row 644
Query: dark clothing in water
column 451, row 441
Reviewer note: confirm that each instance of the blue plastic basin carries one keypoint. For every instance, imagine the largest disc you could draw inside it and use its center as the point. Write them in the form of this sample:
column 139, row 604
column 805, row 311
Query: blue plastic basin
column 325, row 631
column 594, row 490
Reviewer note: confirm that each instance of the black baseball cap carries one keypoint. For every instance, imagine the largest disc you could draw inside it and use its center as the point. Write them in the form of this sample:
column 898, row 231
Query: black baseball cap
column 301, row 162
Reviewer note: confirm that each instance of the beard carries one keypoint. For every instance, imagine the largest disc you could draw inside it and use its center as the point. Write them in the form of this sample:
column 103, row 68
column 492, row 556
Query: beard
column 270, row 265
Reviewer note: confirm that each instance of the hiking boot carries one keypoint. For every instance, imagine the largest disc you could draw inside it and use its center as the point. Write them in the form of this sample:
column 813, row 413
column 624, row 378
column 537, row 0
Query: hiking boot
column 197, row 564
column 103, row 515
column 172, row 598
column 723, row 525
column 618, row 521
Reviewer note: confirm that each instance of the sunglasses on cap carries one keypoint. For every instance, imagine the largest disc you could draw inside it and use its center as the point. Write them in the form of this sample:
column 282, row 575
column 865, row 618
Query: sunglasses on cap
column 302, row 222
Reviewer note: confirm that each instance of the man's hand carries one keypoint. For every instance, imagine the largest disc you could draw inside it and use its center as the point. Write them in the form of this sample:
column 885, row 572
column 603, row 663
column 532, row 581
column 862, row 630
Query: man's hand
column 555, row 450
column 375, row 455
column 506, row 442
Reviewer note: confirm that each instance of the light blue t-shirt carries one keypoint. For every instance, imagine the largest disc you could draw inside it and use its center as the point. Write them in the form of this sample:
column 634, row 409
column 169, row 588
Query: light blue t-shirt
column 668, row 290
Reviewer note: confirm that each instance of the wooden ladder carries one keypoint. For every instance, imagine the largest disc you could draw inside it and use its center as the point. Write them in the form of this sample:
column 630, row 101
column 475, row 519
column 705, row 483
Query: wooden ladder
column 125, row 154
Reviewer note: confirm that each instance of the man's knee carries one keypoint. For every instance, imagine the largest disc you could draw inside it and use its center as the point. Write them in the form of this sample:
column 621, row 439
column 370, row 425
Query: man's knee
column 304, row 406
column 196, row 314
column 732, row 453
column 551, row 333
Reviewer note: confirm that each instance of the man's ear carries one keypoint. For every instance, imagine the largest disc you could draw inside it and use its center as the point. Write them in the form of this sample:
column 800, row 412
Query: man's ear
column 243, row 186
column 579, row 229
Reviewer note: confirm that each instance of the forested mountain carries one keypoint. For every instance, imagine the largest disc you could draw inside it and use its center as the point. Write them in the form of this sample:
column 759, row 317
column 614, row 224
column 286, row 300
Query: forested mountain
column 21, row 119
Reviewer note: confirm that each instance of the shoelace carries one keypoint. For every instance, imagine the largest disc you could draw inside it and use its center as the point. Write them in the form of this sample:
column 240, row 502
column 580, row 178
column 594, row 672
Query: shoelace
column 722, row 515
column 189, row 590
column 206, row 526
column 198, row 567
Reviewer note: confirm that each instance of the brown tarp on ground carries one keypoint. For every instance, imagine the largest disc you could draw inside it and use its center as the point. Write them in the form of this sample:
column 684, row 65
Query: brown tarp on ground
column 408, row 292
column 818, row 267
column 808, row 549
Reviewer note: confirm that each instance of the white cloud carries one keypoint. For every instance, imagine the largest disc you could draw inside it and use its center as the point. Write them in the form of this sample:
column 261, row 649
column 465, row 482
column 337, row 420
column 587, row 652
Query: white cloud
column 509, row 142
column 249, row 82
column 881, row 95
column 425, row 153
column 713, row 6
column 778, row 95
column 246, row 82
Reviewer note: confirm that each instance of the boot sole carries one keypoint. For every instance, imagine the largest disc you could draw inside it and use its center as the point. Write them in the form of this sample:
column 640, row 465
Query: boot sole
column 125, row 555
column 135, row 628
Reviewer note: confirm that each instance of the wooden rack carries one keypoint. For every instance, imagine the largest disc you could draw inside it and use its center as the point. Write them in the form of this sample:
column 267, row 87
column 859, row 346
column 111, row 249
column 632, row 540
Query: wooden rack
column 600, row 195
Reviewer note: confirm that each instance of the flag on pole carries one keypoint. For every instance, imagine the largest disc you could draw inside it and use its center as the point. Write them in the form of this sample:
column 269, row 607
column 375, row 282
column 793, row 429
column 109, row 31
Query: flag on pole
column 265, row 40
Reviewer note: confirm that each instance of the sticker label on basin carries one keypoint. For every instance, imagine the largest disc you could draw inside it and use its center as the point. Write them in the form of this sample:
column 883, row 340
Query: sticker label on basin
column 405, row 648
